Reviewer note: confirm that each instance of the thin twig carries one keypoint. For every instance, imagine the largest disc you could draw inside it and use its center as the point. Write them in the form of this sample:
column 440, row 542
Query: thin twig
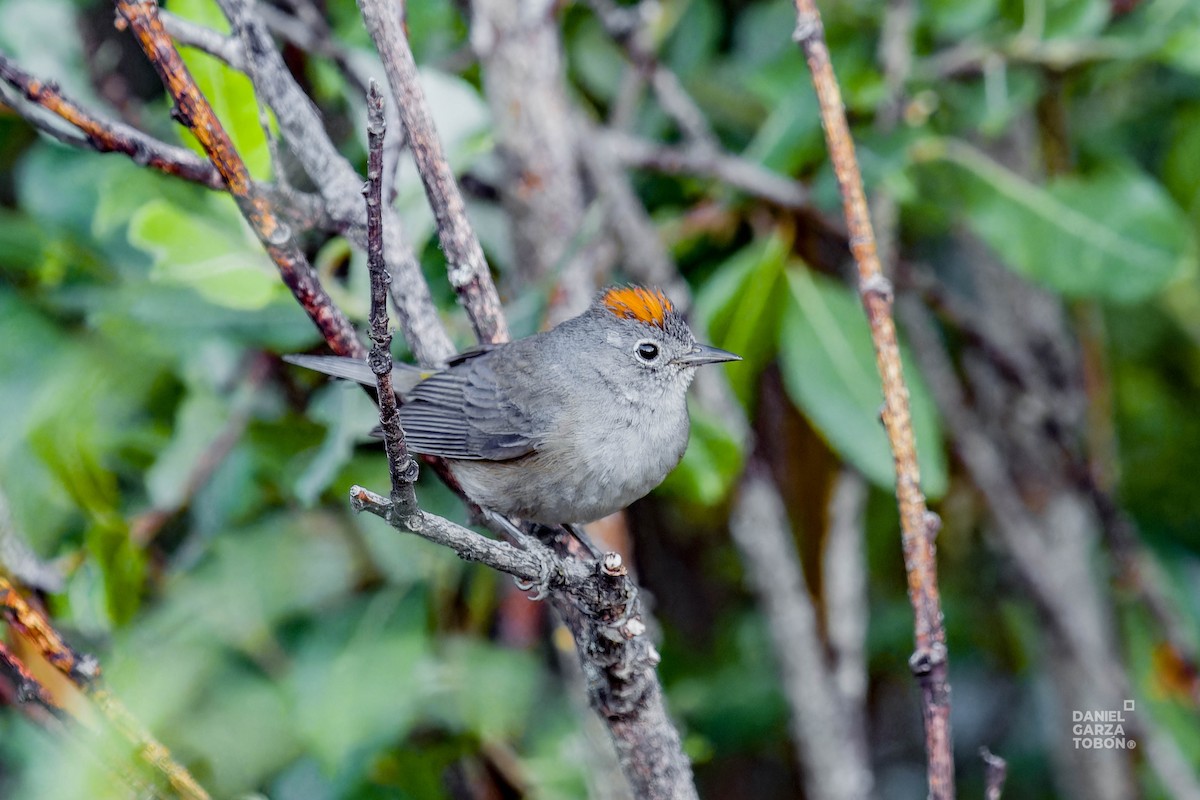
column 468, row 270
column 628, row 27
column 107, row 136
column 193, row 110
column 995, row 770
column 929, row 662
column 401, row 466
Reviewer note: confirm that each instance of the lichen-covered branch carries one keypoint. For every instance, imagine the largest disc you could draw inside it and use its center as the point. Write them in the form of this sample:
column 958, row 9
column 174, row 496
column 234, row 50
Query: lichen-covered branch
column 929, row 662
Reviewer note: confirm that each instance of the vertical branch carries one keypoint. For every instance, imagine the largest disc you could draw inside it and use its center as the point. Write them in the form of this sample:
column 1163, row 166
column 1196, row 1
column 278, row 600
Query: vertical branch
column 468, row 270
column 919, row 526
column 401, row 466
column 193, row 110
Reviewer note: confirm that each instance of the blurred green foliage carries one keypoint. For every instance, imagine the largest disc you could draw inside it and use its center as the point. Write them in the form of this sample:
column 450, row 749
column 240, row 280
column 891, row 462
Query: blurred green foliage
column 280, row 645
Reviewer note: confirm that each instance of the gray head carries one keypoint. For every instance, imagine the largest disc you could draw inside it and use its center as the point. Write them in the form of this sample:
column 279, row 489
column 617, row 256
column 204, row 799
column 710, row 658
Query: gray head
column 649, row 345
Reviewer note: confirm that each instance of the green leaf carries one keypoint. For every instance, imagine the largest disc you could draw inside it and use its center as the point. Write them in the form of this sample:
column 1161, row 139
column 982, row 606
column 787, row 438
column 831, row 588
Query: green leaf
column 210, row 253
column 741, row 306
column 953, row 19
column 345, row 697
column 1114, row 234
column 1065, row 19
column 710, row 465
column 828, row 364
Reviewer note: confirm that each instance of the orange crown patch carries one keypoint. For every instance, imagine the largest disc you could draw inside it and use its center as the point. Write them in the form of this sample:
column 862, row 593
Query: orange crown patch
column 633, row 302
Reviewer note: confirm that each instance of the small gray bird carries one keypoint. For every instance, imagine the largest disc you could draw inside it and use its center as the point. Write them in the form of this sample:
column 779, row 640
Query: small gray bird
column 565, row 426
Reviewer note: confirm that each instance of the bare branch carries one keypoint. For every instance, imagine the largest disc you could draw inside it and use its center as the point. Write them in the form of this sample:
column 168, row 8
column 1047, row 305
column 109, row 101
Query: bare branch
column 920, row 527
column 193, row 110
column 84, row 673
column 833, row 769
column 708, row 162
column 339, row 184
column 207, row 40
column 401, row 466
column 844, row 571
column 26, row 687
column 995, row 770
column 1050, row 568
column 468, row 271
column 107, row 136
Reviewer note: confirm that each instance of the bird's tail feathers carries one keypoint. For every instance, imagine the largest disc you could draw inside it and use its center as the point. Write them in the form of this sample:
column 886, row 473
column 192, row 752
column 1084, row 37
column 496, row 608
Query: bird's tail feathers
column 404, row 376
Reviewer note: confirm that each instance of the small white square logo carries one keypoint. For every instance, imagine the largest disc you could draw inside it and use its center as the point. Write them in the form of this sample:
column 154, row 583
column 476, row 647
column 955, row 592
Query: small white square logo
column 1128, row 705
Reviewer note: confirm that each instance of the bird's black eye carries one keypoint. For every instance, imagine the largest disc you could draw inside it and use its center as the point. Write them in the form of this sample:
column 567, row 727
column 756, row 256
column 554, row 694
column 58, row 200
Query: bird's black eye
column 647, row 351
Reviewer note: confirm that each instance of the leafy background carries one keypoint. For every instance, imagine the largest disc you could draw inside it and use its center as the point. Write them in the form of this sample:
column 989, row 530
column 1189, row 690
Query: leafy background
column 280, row 644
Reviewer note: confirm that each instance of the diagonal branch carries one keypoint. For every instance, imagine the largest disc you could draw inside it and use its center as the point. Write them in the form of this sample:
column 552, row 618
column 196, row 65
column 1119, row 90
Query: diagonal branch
column 339, row 184
column 193, row 110
column 919, row 526
column 84, row 672
column 468, row 270
column 107, row 136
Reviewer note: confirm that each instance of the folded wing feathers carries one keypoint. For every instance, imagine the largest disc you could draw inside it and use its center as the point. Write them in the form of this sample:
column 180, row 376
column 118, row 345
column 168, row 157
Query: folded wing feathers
column 457, row 413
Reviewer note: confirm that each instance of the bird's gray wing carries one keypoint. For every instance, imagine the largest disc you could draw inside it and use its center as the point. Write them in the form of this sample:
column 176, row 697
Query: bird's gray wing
column 467, row 412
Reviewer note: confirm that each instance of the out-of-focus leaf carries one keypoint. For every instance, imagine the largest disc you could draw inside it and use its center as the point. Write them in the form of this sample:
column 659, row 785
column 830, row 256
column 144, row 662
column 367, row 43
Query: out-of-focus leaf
column 696, row 35
column 234, row 598
column 241, row 732
column 951, row 19
column 349, row 416
column 36, row 34
column 1181, row 167
column 790, row 137
column 347, row 696
column 490, row 691
column 710, row 465
column 75, row 462
column 197, row 423
column 1067, row 19
column 741, row 306
column 1115, row 234
column 828, row 364
column 212, row 255
column 23, row 246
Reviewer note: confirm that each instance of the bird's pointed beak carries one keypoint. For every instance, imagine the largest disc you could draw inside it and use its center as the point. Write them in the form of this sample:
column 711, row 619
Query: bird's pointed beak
column 706, row 354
